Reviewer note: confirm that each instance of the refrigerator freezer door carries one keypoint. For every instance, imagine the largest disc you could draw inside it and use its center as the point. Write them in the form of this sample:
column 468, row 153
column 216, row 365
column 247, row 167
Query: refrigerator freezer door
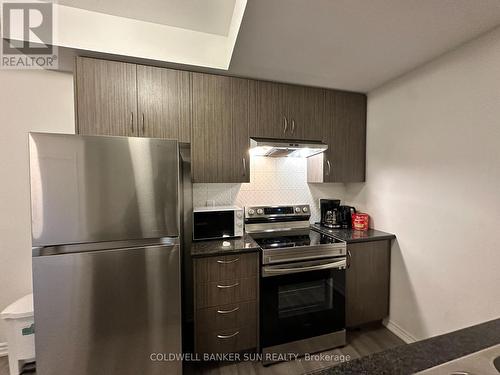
column 94, row 188
column 105, row 312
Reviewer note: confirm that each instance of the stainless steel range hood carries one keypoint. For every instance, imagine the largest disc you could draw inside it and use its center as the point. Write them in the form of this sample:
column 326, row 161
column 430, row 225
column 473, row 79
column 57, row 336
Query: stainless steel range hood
column 278, row 148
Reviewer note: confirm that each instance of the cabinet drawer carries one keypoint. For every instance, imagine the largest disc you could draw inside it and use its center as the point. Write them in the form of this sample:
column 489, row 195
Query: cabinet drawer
column 226, row 317
column 225, row 292
column 227, row 341
column 228, row 267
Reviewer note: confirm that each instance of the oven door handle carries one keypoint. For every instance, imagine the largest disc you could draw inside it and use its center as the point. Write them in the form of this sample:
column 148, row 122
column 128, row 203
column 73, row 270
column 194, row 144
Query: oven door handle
column 270, row 230
column 275, row 270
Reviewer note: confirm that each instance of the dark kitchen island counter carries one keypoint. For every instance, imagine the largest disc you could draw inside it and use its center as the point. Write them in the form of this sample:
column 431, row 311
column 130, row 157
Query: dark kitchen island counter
column 422, row 355
column 224, row 246
column 351, row 236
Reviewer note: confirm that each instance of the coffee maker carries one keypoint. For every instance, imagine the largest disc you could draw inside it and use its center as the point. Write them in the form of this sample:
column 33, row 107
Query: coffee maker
column 335, row 216
column 329, row 212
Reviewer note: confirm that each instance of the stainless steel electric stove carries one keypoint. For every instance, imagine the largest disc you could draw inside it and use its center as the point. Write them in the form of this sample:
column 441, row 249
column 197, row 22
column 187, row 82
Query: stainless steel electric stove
column 302, row 285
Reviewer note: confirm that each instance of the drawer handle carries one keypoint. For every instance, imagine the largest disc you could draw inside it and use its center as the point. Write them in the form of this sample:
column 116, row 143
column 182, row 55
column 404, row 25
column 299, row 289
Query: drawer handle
column 228, row 261
column 228, row 336
column 228, row 286
column 228, row 311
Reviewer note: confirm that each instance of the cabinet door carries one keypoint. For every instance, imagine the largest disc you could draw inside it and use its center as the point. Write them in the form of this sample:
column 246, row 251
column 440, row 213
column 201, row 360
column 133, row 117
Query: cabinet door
column 305, row 112
column 288, row 111
column 221, row 116
column 343, row 123
column 270, row 111
column 367, row 282
column 164, row 103
column 348, row 140
column 106, row 97
column 331, row 155
column 319, row 167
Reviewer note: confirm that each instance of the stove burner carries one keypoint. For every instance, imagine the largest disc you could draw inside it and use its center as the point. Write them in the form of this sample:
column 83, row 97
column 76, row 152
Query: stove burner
column 284, row 241
column 279, row 242
column 285, row 235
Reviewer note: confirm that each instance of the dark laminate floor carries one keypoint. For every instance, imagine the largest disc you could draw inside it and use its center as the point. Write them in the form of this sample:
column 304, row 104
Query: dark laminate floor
column 360, row 343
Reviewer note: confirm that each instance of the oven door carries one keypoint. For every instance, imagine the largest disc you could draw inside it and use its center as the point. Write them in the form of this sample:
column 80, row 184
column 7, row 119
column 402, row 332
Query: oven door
column 302, row 300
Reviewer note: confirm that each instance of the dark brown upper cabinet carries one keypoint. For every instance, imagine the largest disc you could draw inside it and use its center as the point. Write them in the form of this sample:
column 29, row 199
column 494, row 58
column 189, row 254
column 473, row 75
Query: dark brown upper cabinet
column 106, row 97
column 221, row 115
column 287, row 111
column 163, row 102
column 348, row 138
column 218, row 114
column 305, row 112
column 344, row 130
column 270, row 111
column 115, row 98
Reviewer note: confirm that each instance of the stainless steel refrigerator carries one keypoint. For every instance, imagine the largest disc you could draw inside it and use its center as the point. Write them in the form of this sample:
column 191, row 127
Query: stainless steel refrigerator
column 106, row 214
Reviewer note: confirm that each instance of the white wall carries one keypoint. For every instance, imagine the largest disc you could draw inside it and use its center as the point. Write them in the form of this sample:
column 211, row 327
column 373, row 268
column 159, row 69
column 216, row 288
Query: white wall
column 29, row 101
column 433, row 179
column 272, row 181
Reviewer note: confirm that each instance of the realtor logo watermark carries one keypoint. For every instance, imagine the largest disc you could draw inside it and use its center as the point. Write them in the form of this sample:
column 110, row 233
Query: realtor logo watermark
column 27, row 36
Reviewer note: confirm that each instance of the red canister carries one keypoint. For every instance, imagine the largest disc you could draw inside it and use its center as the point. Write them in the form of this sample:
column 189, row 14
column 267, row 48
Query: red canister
column 360, row 221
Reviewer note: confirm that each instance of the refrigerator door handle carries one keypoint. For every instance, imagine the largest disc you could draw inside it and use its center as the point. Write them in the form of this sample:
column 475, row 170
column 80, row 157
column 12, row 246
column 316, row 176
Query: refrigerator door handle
column 98, row 246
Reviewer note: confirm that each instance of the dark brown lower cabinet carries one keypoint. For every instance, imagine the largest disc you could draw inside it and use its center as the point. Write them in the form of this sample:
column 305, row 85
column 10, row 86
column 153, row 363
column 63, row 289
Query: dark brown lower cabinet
column 222, row 292
column 227, row 341
column 226, row 303
column 367, row 282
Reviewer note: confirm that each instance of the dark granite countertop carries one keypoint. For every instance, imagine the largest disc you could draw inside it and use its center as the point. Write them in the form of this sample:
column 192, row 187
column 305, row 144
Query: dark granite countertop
column 350, row 235
column 422, row 355
column 224, row 246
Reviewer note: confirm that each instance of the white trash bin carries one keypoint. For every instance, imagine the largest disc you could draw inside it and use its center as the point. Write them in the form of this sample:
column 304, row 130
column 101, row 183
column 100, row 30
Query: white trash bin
column 20, row 332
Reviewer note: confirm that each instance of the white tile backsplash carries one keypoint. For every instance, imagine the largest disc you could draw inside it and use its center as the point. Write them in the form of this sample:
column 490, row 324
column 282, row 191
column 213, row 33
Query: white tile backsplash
column 273, row 181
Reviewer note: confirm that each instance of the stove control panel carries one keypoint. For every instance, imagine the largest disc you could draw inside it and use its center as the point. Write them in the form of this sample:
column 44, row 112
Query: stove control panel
column 277, row 211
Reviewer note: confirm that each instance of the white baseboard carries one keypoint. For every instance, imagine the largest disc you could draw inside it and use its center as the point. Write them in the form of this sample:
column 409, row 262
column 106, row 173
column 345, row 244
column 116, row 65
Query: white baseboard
column 400, row 332
column 3, row 349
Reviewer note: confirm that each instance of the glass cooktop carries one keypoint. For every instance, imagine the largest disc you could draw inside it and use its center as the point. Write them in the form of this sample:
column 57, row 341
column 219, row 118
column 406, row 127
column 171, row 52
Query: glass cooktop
column 292, row 239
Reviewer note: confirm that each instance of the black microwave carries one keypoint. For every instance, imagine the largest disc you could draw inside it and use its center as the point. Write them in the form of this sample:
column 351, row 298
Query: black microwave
column 217, row 222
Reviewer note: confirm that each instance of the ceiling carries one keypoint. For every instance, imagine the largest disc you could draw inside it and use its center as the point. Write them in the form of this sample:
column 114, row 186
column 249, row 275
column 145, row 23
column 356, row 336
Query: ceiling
column 352, row 44
column 198, row 33
column 213, row 16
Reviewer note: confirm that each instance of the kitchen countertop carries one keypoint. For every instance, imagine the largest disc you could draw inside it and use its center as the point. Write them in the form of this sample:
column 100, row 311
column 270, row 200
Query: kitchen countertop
column 482, row 362
column 421, row 355
column 224, row 246
column 351, row 236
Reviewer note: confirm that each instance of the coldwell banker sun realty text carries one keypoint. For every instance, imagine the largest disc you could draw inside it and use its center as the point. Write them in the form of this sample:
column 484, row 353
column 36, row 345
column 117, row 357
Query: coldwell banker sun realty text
column 245, row 357
column 27, row 35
